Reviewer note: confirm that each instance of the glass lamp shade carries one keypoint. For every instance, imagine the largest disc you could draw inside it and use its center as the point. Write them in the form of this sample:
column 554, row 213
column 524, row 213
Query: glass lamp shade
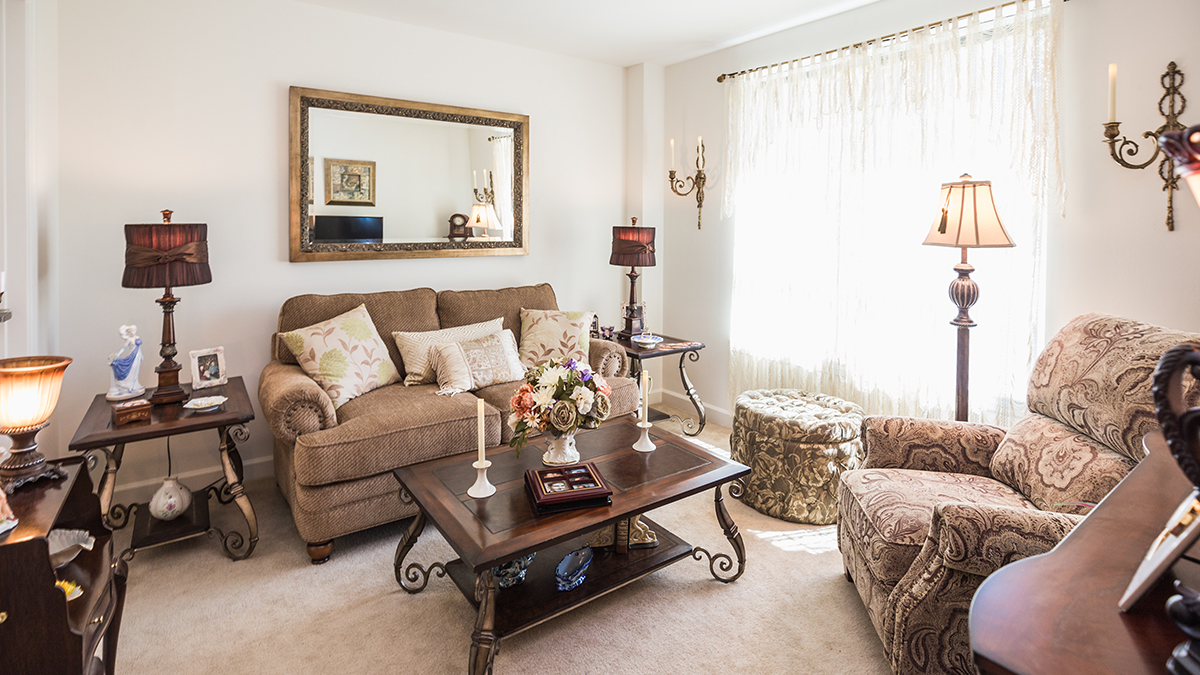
column 968, row 217
column 29, row 389
column 632, row 246
column 1183, row 147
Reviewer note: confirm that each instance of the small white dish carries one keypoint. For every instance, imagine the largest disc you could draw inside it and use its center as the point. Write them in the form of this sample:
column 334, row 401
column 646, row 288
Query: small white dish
column 66, row 544
column 205, row 403
column 646, row 340
column 7, row 524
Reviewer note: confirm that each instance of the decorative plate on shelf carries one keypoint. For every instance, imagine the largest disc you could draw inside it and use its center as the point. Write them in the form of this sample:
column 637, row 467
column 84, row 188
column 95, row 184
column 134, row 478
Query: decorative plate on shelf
column 205, row 403
column 66, row 544
column 646, row 340
column 72, row 589
column 7, row 524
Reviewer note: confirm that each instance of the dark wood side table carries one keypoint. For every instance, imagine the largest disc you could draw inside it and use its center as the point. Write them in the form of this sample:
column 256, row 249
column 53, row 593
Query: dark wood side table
column 40, row 630
column 97, row 434
column 687, row 350
column 1057, row 612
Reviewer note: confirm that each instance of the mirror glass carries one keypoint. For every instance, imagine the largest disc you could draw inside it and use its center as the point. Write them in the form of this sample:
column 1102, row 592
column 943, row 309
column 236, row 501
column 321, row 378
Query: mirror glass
column 385, row 178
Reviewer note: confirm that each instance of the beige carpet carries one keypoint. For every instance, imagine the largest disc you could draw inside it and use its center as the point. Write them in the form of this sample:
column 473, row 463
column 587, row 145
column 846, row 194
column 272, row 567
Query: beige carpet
column 191, row 610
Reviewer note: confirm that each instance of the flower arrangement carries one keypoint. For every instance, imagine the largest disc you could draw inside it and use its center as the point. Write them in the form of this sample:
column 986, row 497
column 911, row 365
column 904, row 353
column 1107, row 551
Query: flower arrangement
column 558, row 398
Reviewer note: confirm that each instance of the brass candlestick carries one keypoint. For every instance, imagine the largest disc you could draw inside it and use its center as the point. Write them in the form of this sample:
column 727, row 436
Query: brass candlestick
column 697, row 183
column 1123, row 148
column 486, row 195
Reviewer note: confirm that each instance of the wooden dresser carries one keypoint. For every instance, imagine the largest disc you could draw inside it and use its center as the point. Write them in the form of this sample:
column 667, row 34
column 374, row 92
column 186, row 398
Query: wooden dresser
column 40, row 630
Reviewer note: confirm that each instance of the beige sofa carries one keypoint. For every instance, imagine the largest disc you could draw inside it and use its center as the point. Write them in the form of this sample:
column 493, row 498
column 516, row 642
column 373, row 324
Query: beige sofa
column 334, row 467
column 938, row 506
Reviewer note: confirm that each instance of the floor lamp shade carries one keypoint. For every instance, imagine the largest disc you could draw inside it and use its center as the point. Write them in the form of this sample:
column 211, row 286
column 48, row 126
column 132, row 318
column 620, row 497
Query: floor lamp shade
column 166, row 255
column 29, row 388
column 968, row 219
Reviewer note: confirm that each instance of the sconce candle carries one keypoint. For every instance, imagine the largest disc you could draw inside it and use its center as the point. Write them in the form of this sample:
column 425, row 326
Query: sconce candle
column 672, row 160
column 1112, row 92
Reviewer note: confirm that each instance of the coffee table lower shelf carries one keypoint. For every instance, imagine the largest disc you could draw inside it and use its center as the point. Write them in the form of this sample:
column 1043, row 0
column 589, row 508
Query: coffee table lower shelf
column 538, row 598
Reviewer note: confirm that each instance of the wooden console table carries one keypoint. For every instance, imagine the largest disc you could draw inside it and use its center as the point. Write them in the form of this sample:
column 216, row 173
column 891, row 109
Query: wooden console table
column 97, row 433
column 687, row 350
column 1057, row 612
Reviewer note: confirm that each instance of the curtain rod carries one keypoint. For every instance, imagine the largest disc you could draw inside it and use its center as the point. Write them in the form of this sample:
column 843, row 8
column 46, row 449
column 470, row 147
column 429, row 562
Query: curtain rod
column 496, row 138
column 721, row 78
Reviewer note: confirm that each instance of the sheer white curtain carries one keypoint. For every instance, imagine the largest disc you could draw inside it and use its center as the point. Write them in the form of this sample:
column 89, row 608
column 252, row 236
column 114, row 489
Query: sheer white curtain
column 834, row 166
column 502, row 166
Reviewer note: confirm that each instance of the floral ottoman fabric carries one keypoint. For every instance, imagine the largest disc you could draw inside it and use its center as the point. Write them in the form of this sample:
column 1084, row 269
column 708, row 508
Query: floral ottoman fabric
column 796, row 444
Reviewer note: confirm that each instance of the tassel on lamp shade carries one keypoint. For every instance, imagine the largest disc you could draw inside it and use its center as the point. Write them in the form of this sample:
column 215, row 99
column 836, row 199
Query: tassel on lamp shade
column 633, row 246
column 29, row 388
column 166, row 255
column 968, row 219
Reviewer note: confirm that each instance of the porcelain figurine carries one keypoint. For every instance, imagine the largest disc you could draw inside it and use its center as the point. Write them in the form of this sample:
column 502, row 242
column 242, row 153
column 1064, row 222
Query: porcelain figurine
column 125, row 365
column 171, row 500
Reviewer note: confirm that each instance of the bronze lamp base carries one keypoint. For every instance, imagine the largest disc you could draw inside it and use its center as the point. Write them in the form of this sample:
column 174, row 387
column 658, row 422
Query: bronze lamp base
column 25, row 464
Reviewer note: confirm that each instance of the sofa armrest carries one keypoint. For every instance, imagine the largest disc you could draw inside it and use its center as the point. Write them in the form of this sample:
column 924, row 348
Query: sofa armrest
column 980, row 538
column 608, row 358
column 293, row 402
column 929, row 445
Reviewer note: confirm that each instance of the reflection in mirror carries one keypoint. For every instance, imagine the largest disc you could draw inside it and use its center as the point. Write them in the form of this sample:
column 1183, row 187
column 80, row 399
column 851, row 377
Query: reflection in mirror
column 384, row 178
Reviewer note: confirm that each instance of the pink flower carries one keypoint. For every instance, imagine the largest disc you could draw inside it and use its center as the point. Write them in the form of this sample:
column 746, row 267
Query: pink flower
column 602, row 385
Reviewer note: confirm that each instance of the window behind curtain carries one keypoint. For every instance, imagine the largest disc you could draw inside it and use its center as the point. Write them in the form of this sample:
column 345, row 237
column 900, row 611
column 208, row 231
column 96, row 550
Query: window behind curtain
column 834, row 167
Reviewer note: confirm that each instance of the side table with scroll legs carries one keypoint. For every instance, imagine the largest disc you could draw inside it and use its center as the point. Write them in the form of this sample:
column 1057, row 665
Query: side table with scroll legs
column 687, row 351
column 97, row 436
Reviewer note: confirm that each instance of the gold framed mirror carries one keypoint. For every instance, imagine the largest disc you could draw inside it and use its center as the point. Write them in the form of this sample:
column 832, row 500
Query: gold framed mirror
column 376, row 178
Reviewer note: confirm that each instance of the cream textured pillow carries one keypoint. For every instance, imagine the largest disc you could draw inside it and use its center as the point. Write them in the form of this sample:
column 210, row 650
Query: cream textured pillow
column 475, row 364
column 547, row 335
column 416, row 348
column 345, row 355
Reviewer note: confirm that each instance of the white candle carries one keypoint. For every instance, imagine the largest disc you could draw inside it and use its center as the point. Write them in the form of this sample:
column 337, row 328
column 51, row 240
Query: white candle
column 672, row 154
column 700, row 152
column 475, row 184
column 645, row 395
column 1112, row 92
column 479, row 408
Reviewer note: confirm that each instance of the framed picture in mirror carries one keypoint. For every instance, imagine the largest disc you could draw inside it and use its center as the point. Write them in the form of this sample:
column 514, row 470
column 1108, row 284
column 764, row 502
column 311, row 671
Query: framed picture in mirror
column 349, row 182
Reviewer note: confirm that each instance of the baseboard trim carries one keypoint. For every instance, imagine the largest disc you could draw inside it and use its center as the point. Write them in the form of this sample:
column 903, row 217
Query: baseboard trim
column 141, row 491
column 712, row 413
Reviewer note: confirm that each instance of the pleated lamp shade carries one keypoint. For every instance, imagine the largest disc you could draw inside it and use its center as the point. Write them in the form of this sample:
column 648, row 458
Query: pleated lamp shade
column 166, row 255
column 29, row 387
column 632, row 246
column 968, row 217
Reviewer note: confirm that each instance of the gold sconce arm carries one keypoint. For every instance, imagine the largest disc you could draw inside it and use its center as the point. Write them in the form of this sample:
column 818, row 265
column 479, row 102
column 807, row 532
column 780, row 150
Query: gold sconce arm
column 697, row 183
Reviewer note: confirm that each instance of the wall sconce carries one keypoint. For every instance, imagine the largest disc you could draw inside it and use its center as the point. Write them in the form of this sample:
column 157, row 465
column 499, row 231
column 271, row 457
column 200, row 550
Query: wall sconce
column 1123, row 148
column 697, row 180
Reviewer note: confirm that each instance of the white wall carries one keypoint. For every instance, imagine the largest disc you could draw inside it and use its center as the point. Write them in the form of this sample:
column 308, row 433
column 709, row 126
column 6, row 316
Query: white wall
column 184, row 106
column 1111, row 253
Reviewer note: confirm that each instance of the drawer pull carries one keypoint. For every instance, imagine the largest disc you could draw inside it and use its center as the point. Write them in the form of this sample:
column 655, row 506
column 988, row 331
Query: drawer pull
column 99, row 619
column 3, row 617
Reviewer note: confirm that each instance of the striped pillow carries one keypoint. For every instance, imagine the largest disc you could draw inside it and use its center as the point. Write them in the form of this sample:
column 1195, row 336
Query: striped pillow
column 416, row 349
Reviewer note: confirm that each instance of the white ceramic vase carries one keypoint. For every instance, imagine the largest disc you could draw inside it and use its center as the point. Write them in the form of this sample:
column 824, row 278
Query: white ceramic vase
column 171, row 500
column 561, row 451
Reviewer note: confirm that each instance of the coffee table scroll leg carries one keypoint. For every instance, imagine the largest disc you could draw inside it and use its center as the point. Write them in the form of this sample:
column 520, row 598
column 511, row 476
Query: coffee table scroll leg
column 233, row 542
column 689, row 426
column 484, row 641
column 415, row 577
column 720, row 564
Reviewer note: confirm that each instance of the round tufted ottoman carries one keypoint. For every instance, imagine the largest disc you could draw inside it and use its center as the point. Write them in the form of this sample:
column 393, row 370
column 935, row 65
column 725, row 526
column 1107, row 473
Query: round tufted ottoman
column 797, row 444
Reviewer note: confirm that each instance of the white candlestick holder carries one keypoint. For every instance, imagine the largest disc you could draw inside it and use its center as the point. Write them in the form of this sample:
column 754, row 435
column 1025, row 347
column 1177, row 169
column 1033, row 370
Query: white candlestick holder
column 644, row 444
column 482, row 488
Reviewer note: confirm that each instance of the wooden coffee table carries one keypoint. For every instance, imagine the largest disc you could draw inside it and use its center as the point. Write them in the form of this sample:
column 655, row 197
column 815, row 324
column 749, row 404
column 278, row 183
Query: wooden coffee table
column 503, row 527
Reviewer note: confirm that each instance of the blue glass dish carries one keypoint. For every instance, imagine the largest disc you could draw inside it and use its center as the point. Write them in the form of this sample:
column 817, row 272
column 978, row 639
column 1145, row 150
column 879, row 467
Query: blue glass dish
column 570, row 572
column 513, row 572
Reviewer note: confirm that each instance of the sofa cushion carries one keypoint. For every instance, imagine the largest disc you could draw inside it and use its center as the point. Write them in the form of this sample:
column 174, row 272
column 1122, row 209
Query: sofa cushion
column 1057, row 468
column 553, row 335
column 345, row 355
column 458, row 308
column 474, row 364
column 1095, row 377
column 388, row 428
column 412, row 310
column 887, row 511
column 416, row 349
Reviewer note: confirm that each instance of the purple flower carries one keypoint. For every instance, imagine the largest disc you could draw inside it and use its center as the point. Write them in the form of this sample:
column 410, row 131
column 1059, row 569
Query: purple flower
column 585, row 374
column 570, row 364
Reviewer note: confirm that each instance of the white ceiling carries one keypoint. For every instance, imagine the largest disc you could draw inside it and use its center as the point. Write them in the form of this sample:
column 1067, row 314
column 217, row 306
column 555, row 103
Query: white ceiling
column 619, row 32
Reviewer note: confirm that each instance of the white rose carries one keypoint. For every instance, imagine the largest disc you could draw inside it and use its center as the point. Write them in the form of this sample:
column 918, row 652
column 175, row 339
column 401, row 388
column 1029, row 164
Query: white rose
column 583, row 397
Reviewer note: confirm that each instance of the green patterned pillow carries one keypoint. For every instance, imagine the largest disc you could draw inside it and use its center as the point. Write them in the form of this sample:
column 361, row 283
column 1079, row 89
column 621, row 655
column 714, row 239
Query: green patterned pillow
column 547, row 335
column 344, row 355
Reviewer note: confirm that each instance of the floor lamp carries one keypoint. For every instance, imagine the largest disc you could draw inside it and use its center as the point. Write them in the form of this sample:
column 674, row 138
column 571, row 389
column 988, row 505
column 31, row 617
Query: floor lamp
column 968, row 219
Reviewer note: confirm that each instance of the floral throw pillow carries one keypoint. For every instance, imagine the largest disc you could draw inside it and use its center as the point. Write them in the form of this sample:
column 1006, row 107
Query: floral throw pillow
column 549, row 335
column 475, row 364
column 345, row 355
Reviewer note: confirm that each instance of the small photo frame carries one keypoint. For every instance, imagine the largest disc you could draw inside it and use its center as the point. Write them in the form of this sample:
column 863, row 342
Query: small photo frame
column 208, row 367
column 349, row 182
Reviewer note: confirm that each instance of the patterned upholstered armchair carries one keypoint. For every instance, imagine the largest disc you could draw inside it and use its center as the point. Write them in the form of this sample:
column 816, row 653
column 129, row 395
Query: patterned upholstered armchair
column 938, row 506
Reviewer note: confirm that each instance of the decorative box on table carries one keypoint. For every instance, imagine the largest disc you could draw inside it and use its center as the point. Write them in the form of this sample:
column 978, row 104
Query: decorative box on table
column 562, row 488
